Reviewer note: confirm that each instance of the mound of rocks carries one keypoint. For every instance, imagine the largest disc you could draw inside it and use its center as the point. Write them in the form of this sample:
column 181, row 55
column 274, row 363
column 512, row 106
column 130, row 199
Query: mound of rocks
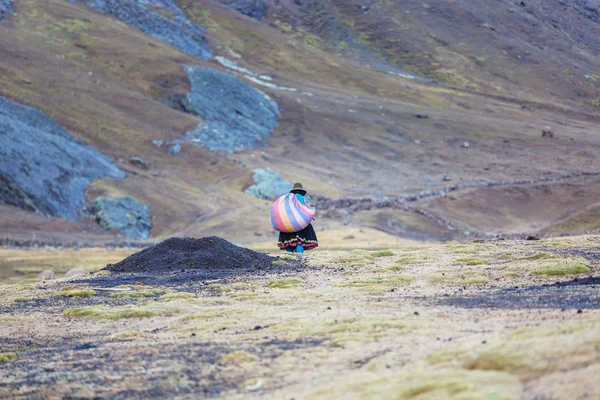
column 123, row 214
column 5, row 8
column 42, row 167
column 162, row 19
column 268, row 184
column 236, row 115
column 177, row 254
column 256, row 9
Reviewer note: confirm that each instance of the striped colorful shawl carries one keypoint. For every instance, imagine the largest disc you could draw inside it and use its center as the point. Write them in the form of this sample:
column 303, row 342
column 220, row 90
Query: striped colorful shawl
column 289, row 215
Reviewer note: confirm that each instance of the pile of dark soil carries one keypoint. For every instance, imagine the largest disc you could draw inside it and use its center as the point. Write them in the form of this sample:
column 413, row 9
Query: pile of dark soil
column 178, row 254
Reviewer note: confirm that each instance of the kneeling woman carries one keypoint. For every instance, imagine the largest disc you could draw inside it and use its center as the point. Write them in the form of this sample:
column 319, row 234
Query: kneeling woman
column 306, row 239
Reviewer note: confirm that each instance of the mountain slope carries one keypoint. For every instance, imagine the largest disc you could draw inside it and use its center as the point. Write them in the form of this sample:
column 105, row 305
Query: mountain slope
column 345, row 128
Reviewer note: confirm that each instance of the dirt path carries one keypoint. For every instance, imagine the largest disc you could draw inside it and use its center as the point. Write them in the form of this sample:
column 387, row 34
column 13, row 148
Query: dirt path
column 404, row 203
column 351, row 324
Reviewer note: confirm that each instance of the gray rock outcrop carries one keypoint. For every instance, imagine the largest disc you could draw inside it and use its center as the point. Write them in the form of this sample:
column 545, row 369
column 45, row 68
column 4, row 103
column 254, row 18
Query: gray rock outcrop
column 5, row 8
column 42, row 167
column 236, row 115
column 123, row 214
column 256, row 9
column 268, row 184
column 162, row 19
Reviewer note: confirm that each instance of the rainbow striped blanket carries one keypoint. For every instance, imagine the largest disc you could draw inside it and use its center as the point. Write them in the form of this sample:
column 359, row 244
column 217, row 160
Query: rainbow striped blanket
column 288, row 215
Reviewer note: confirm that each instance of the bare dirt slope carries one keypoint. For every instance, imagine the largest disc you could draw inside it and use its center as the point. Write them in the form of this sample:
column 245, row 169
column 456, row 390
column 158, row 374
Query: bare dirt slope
column 503, row 320
column 347, row 129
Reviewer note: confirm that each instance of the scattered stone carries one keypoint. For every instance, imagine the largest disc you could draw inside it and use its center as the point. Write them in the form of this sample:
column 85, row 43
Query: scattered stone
column 268, row 185
column 446, row 178
column 421, row 115
column 213, row 161
column 579, row 311
column 256, row 9
column 175, row 254
column 85, row 346
column 174, row 148
column 530, row 237
column 138, row 162
column 5, row 8
column 547, row 132
column 364, row 8
column 47, row 275
column 42, row 167
column 255, row 387
column 592, row 5
column 162, row 19
column 123, row 214
column 258, row 234
column 417, row 141
column 236, row 115
column 27, row 81
column 157, row 142
column 349, row 237
column 75, row 272
column 466, row 145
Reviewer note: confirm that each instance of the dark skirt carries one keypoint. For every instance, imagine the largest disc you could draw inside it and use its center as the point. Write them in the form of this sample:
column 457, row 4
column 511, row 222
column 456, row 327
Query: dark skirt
column 306, row 237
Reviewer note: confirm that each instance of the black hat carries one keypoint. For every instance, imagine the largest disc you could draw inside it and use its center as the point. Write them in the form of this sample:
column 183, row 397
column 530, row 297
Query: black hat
column 298, row 188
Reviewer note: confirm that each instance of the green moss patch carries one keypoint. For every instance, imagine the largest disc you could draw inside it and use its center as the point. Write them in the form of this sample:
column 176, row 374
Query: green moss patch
column 103, row 312
column 382, row 253
column 565, row 266
column 138, row 294
column 385, row 280
column 76, row 293
column 473, row 261
column 237, row 357
column 458, row 277
column 283, row 283
column 7, row 357
column 177, row 295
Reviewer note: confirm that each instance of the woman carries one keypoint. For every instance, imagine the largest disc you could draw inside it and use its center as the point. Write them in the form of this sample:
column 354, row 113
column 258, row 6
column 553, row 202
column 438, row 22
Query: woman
column 306, row 239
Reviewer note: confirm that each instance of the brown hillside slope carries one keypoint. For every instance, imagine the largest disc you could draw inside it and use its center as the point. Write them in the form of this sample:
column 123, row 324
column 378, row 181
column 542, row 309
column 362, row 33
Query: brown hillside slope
column 347, row 129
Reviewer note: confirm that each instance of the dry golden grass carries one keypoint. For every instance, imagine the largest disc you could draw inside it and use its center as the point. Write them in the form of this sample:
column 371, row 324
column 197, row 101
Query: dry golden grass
column 23, row 265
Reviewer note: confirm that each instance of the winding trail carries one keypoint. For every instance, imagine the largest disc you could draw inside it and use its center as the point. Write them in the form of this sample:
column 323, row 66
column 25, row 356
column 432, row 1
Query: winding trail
column 355, row 204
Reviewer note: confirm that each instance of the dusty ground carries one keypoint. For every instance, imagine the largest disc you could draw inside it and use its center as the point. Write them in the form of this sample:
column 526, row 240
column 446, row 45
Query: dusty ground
column 454, row 321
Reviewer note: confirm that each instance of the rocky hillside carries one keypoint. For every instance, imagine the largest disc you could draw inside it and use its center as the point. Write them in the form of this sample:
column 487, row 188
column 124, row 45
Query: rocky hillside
column 176, row 116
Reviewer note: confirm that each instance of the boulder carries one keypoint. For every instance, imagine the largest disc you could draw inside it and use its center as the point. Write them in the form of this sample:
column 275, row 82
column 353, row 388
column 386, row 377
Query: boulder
column 162, row 19
column 46, row 275
column 236, row 115
column 75, row 272
column 268, row 185
column 256, row 9
column 42, row 167
column 5, row 8
column 138, row 162
column 174, row 148
column 123, row 214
